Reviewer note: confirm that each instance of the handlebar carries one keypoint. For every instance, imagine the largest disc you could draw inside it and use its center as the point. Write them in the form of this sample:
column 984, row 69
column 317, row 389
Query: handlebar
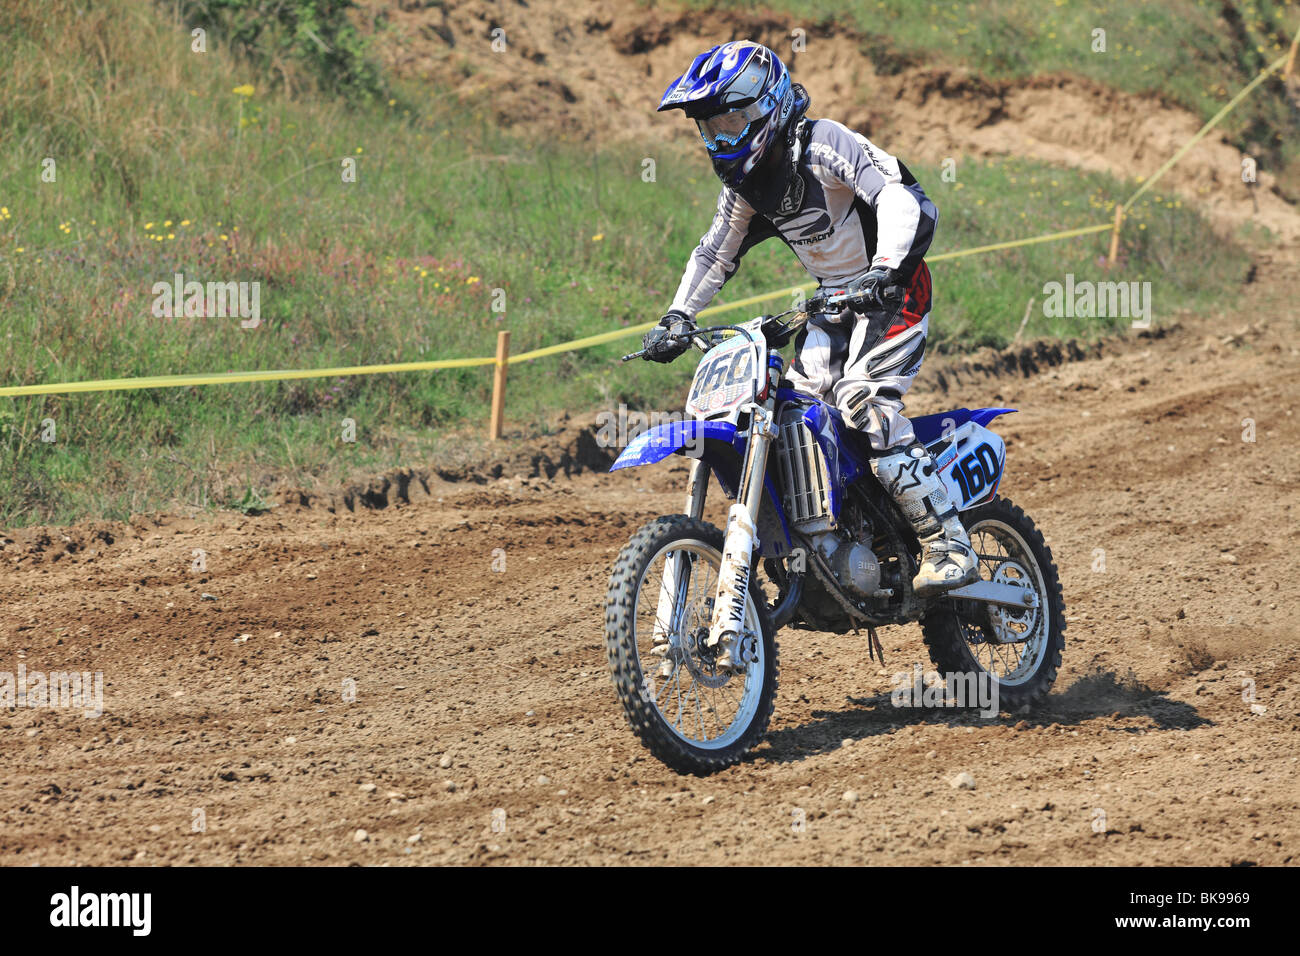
column 824, row 303
column 818, row 303
column 692, row 334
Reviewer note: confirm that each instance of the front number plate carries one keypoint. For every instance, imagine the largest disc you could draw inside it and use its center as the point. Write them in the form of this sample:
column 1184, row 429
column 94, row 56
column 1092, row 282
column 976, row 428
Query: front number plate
column 725, row 379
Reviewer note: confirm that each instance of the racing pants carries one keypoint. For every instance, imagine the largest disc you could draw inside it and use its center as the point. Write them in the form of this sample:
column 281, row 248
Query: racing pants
column 866, row 383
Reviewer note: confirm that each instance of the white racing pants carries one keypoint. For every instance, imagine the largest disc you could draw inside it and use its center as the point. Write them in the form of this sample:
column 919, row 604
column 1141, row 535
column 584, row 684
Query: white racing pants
column 866, row 386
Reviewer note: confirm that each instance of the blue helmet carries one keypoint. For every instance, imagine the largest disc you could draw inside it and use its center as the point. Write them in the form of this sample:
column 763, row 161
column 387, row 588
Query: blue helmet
column 741, row 98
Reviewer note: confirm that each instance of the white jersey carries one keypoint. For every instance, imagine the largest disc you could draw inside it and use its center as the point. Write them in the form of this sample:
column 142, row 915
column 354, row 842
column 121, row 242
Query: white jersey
column 861, row 208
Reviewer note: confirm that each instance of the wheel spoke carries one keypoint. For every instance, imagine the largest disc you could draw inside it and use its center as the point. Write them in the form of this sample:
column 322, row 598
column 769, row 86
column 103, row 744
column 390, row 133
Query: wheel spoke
column 696, row 684
column 678, row 722
column 1011, row 644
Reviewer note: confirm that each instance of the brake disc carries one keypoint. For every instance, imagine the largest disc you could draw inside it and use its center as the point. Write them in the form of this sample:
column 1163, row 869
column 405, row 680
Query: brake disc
column 1011, row 625
column 700, row 659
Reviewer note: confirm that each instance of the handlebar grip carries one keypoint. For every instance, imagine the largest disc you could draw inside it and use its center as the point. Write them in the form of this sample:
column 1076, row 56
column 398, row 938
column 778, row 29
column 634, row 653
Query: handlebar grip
column 642, row 354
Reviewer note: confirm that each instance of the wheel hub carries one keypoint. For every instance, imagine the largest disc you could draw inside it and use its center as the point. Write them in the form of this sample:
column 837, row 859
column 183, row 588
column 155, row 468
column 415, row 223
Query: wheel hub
column 1012, row 624
column 702, row 660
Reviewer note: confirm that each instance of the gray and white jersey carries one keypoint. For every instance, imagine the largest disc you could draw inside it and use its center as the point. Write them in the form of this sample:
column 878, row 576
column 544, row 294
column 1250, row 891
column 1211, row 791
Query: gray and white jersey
column 861, row 208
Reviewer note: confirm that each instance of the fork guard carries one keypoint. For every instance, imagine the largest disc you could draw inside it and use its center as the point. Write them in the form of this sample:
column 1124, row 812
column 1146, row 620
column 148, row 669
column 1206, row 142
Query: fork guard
column 723, row 450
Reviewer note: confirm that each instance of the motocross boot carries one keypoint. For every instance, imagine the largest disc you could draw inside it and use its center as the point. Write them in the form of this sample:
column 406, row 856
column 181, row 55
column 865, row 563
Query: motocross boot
column 947, row 559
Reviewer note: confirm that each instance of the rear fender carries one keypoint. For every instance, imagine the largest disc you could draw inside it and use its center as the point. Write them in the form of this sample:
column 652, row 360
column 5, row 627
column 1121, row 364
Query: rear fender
column 718, row 446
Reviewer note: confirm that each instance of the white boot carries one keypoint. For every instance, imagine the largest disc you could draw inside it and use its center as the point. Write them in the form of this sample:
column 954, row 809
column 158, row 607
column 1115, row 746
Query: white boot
column 947, row 559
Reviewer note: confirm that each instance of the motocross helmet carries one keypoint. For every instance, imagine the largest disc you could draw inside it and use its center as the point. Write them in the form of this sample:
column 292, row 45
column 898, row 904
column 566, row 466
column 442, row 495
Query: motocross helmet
column 741, row 98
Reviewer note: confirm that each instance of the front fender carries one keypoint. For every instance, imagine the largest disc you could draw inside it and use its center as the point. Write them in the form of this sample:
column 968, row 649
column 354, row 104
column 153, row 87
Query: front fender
column 718, row 445
column 656, row 444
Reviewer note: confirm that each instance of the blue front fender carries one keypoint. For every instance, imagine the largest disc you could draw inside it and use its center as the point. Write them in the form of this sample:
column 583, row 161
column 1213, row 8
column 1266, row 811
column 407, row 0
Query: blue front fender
column 656, row 444
column 718, row 445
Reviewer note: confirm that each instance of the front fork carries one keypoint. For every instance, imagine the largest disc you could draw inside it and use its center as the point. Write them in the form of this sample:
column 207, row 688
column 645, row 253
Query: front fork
column 728, row 621
column 728, row 624
column 673, row 589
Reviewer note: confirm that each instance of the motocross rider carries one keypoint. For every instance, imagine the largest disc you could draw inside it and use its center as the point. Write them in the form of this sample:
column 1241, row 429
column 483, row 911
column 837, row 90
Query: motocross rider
column 858, row 221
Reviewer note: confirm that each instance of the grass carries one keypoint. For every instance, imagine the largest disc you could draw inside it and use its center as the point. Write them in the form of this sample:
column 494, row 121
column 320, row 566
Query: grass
column 451, row 231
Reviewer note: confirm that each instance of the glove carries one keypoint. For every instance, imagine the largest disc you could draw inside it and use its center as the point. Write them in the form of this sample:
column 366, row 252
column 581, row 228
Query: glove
column 659, row 343
column 777, row 333
column 879, row 288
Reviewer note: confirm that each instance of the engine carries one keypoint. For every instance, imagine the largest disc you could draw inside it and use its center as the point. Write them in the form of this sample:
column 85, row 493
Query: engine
column 853, row 563
column 846, row 547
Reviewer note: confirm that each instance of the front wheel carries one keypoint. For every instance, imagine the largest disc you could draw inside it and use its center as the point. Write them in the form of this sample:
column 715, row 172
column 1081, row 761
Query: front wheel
column 688, row 713
column 1018, row 649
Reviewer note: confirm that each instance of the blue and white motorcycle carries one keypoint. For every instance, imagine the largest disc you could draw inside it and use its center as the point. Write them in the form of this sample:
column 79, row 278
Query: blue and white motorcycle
column 690, row 634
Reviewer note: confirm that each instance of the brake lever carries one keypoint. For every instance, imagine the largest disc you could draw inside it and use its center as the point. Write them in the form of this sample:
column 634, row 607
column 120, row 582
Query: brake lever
column 644, row 352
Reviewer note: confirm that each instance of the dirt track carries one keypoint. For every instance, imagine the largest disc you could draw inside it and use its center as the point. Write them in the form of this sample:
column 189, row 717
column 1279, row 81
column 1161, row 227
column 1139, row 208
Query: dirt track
column 478, row 690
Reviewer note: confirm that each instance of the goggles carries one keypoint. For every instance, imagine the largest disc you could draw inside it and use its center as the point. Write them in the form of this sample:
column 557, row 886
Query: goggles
column 731, row 128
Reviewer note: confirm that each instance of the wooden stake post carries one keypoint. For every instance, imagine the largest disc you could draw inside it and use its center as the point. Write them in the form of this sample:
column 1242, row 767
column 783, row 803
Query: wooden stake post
column 499, row 386
column 1114, row 236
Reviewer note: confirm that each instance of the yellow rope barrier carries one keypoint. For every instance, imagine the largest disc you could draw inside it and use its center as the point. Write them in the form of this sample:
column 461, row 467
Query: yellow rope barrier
column 1213, row 122
column 1051, row 237
column 227, row 378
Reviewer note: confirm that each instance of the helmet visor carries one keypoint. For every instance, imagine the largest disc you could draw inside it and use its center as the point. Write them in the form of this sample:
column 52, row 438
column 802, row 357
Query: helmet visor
column 729, row 129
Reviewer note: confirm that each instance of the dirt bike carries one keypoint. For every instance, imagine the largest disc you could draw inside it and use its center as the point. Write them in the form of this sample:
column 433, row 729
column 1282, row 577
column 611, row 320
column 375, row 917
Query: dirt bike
column 690, row 633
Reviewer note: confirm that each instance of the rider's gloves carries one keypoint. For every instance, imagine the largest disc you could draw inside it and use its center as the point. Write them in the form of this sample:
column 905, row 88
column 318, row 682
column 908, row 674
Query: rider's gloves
column 659, row 343
column 777, row 333
column 878, row 288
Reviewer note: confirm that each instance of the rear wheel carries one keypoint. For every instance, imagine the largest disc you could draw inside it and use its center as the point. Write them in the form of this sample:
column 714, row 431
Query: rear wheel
column 1019, row 648
column 688, row 713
